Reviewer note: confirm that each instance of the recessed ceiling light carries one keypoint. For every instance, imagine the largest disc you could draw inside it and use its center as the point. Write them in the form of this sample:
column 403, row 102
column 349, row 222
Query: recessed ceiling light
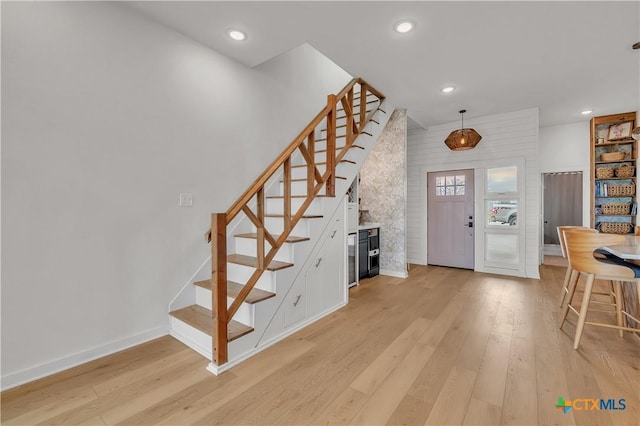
column 237, row 35
column 404, row 26
column 586, row 112
column 448, row 89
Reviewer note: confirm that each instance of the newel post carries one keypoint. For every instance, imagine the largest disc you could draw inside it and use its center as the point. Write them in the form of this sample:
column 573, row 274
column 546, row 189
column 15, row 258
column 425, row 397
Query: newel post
column 219, row 286
column 331, row 146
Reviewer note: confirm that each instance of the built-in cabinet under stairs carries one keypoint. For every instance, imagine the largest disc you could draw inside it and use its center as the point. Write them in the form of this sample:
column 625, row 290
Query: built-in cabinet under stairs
column 284, row 240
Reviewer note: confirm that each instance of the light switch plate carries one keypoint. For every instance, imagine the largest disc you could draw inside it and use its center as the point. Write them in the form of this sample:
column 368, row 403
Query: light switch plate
column 186, row 200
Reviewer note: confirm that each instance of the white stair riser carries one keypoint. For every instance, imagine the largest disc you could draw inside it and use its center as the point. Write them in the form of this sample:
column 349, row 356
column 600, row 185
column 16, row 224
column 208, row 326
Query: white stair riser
column 275, row 225
column 245, row 313
column 241, row 274
column 322, row 156
column 301, row 172
column 249, row 247
column 196, row 339
column 342, row 120
column 297, row 188
column 276, row 205
column 341, row 140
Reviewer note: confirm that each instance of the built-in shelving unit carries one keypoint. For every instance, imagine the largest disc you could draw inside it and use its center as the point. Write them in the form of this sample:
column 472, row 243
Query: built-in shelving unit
column 614, row 155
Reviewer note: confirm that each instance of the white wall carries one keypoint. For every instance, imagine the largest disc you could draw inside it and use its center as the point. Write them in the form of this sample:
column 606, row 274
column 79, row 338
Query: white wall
column 565, row 148
column 107, row 117
column 306, row 76
column 511, row 137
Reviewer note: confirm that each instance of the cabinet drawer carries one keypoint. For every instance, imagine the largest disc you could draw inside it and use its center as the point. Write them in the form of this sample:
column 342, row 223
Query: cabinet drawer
column 295, row 306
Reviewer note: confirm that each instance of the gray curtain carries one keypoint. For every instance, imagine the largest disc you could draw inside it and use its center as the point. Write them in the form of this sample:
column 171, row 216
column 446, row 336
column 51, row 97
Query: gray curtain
column 562, row 203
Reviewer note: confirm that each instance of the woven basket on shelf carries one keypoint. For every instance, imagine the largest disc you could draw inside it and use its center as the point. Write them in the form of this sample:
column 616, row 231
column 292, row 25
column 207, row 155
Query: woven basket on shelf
column 604, row 172
column 621, row 190
column 612, row 156
column 616, row 208
column 625, row 171
column 615, row 227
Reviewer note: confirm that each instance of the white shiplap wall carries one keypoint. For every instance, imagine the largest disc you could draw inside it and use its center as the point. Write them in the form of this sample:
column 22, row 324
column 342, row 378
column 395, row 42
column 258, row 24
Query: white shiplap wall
column 506, row 139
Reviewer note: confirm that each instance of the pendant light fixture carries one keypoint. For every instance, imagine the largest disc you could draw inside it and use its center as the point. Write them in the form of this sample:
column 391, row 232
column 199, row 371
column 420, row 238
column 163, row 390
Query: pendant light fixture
column 462, row 139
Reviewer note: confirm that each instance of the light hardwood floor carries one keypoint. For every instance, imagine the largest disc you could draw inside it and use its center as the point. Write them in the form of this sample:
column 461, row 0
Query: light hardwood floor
column 445, row 346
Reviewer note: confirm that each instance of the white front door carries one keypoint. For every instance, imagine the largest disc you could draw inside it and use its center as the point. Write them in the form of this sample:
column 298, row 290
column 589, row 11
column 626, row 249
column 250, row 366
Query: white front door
column 450, row 221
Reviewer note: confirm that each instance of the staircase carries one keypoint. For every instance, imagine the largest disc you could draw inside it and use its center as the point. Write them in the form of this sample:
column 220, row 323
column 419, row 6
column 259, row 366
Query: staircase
column 274, row 230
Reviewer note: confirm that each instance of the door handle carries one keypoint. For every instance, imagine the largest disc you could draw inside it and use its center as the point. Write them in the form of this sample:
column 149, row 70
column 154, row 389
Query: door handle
column 297, row 300
column 334, row 233
column 318, row 262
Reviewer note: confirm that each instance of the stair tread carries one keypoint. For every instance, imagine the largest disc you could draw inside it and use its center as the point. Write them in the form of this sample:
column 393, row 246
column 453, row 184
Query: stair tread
column 358, row 112
column 201, row 319
column 290, row 238
column 340, row 147
column 251, row 261
column 321, row 163
column 337, row 137
column 357, row 105
column 337, row 177
column 306, row 216
column 294, row 196
column 255, row 295
column 355, row 113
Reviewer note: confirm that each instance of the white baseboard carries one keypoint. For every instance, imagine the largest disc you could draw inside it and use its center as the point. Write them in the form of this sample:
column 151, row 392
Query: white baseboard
column 552, row 250
column 30, row 374
column 396, row 274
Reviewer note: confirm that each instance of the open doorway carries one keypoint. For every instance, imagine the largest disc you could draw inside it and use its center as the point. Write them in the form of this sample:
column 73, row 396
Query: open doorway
column 562, row 200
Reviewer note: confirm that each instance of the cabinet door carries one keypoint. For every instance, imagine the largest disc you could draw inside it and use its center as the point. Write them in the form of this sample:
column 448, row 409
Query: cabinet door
column 363, row 254
column 315, row 280
column 352, row 216
column 335, row 284
column 326, row 282
column 295, row 305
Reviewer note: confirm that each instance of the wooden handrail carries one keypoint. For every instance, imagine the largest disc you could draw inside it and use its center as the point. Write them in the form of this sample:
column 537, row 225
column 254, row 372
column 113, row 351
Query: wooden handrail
column 347, row 88
column 264, row 177
column 217, row 234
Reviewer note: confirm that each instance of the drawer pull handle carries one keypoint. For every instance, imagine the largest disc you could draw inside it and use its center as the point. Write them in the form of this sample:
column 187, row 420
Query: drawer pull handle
column 297, row 300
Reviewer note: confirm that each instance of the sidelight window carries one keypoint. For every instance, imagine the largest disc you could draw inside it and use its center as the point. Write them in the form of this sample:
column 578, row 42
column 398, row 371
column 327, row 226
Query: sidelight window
column 501, row 209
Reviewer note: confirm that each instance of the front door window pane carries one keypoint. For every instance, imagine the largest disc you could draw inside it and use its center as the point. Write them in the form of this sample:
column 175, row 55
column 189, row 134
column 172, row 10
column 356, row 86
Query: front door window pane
column 450, row 185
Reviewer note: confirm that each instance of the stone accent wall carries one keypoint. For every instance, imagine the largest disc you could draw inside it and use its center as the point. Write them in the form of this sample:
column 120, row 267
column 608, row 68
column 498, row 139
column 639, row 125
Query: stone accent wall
column 383, row 192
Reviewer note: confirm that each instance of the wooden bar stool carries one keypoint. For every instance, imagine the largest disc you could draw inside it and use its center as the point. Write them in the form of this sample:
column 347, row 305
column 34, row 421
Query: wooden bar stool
column 580, row 248
column 563, row 245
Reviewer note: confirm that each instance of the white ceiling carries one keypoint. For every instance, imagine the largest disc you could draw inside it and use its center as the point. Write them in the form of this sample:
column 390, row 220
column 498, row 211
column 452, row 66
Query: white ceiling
column 562, row 57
